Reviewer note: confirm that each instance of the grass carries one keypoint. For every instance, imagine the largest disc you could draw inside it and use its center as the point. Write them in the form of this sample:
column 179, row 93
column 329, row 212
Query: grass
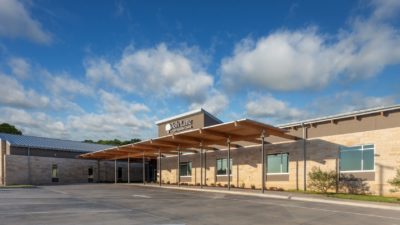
column 17, row 186
column 371, row 198
column 359, row 197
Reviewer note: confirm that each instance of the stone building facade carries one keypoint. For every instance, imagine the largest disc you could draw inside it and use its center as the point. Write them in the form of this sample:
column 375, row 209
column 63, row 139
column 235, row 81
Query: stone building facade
column 43, row 161
column 362, row 147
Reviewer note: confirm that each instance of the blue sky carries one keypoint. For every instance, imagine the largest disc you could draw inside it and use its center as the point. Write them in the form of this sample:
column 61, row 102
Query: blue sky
column 109, row 69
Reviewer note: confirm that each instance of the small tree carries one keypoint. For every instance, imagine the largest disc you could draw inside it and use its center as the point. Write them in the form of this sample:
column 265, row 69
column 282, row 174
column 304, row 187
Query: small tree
column 322, row 181
column 395, row 182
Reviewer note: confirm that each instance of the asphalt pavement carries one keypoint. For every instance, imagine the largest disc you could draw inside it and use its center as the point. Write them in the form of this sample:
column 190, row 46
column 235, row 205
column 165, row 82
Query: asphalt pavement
column 127, row 204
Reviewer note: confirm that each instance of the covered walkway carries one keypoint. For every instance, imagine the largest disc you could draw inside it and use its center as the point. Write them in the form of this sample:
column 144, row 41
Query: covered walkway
column 212, row 138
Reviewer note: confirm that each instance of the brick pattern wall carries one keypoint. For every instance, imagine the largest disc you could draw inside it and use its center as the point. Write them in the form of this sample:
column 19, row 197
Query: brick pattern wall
column 2, row 152
column 322, row 152
column 69, row 170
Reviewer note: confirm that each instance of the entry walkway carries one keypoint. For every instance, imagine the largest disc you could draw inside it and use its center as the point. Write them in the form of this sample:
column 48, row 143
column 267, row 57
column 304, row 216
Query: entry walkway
column 295, row 196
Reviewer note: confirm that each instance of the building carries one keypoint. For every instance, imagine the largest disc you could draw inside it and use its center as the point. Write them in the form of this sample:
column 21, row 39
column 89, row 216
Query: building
column 38, row 161
column 362, row 147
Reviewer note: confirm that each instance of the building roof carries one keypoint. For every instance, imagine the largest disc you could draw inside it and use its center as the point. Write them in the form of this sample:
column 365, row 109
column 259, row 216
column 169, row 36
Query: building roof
column 209, row 138
column 341, row 116
column 193, row 112
column 50, row 143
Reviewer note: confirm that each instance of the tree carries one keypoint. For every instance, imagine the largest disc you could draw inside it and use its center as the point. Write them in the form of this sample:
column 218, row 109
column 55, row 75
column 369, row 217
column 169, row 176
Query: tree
column 395, row 182
column 115, row 142
column 9, row 129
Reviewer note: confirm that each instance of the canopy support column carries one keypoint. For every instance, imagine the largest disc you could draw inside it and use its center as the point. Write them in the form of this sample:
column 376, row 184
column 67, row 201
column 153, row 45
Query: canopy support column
column 263, row 174
column 129, row 170
column 205, row 167
column 229, row 163
column 201, row 165
column 144, row 170
column 179, row 167
column 160, row 171
column 115, row 171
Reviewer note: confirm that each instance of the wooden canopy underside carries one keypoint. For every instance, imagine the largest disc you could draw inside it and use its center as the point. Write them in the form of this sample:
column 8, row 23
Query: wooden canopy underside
column 207, row 138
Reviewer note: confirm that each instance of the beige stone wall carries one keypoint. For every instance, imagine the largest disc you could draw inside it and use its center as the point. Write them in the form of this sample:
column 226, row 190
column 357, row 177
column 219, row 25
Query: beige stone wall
column 69, row 170
column 321, row 152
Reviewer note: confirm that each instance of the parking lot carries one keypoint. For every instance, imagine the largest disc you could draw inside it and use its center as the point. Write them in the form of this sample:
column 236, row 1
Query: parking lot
column 125, row 204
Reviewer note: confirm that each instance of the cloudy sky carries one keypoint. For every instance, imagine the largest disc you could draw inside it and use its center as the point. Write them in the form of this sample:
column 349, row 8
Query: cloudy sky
column 109, row 69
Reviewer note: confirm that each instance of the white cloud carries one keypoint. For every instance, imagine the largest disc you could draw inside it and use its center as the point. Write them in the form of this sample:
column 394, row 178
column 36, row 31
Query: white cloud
column 348, row 101
column 14, row 94
column 385, row 8
column 215, row 103
column 16, row 21
column 159, row 71
column 272, row 109
column 63, row 84
column 33, row 123
column 116, row 118
column 19, row 67
column 295, row 60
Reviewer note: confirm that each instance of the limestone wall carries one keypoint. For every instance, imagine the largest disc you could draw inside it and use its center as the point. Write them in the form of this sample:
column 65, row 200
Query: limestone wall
column 322, row 152
column 37, row 170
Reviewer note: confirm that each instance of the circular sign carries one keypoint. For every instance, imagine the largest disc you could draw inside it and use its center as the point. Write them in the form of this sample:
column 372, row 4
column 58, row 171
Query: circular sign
column 168, row 127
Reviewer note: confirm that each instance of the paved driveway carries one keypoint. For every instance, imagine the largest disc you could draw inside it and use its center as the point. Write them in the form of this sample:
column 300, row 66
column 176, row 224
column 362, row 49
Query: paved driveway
column 122, row 204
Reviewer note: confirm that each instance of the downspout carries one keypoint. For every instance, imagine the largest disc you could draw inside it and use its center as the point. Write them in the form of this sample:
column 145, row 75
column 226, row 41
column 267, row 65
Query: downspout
column 304, row 155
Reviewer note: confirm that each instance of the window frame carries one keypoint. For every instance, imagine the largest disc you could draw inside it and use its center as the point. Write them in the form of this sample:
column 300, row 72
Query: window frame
column 226, row 174
column 281, row 166
column 187, row 163
column 362, row 158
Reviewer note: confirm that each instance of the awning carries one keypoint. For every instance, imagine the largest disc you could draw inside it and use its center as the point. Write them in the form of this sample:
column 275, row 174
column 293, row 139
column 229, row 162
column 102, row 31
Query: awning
column 208, row 138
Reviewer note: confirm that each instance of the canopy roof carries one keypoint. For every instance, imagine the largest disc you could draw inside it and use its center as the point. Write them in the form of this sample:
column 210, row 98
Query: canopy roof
column 208, row 138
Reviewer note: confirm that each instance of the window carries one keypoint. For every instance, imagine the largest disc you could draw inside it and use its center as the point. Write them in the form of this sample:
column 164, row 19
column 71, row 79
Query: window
column 185, row 169
column 90, row 174
column 357, row 158
column 222, row 165
column 278, row 163
column 54, row 173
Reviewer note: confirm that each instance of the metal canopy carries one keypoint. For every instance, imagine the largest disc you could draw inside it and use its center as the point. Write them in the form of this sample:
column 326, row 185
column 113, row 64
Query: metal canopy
column 209, row 138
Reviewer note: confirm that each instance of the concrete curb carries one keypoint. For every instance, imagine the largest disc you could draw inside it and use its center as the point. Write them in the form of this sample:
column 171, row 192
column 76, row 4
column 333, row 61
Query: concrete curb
column 289, row 197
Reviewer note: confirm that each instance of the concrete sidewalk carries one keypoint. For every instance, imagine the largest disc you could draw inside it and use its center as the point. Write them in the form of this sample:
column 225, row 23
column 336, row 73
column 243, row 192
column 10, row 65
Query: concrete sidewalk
column 279, row 195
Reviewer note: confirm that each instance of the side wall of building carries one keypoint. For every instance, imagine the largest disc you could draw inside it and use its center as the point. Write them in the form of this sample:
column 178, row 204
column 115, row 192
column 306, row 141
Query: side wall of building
column 322, row 152
column 37, row 170
column 2, row 150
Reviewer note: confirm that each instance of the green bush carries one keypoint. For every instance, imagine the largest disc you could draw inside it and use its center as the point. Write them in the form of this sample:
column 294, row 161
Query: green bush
column 395, row 182
column 322, row 181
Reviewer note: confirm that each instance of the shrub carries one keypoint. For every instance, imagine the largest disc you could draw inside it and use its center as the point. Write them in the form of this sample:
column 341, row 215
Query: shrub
column 242, row 185
column 395, row 182
column 168, row 182
column 276, row 189
column 219, row 185
column 353, row 185
column 322, row 181
column 212, row 185
column 232, row 186
column 253, row 186
column 226, row 185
